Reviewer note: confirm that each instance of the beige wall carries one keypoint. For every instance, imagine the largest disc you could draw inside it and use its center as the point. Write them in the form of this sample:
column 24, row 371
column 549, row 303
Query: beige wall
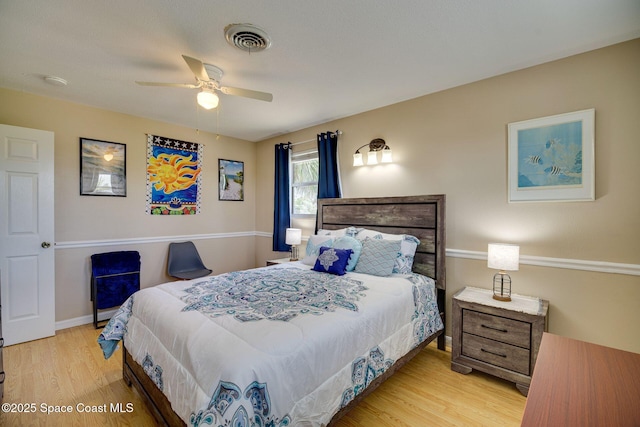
column 87, row 224
column 452, row 142
column 455, row 142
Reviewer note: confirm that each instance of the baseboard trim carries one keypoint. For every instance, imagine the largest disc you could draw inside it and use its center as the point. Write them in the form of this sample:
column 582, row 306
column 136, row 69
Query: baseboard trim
column 84, row 320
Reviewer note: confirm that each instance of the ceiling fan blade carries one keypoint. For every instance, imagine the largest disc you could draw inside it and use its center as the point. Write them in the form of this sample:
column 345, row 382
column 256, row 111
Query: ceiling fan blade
column 262, row 96
column 185, row 85
column 197, row 68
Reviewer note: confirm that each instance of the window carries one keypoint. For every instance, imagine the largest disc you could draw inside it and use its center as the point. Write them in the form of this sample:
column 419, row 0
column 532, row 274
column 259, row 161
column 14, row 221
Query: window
column 304, row 182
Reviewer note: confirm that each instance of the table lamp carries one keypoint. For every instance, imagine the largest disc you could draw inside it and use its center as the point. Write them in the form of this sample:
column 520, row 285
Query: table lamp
column 503, row 257
column 293, row 237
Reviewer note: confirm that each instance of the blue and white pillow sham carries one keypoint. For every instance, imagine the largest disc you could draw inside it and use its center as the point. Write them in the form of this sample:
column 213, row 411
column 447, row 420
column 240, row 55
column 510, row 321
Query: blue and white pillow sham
column 344, row 239
column 378, row 257
column 408, row 246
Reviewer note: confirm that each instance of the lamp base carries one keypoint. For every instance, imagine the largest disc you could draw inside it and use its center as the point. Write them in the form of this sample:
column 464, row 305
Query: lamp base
column 294, row 253
column 502, row 287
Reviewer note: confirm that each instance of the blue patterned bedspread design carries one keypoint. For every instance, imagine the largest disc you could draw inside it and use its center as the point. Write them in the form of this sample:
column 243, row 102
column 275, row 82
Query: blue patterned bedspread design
column 228, row 397
column 115, row 329
column 363, row 371
column 153, row 371
column 279, row 294
column 426, row 318
column 426, row 321
column 275, row 294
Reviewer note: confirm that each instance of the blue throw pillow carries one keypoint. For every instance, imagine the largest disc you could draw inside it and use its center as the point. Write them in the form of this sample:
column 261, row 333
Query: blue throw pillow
column 346, row 242
column 331, row 260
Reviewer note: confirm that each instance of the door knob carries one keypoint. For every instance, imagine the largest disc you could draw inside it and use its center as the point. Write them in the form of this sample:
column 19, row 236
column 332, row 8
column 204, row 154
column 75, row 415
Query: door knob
column 46, row 245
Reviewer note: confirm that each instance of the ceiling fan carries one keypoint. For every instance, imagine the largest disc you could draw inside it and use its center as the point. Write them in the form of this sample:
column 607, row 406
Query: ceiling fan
column 208, row 79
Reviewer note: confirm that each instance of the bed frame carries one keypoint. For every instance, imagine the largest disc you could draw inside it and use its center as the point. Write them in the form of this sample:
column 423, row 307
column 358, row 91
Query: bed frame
column 420, row 216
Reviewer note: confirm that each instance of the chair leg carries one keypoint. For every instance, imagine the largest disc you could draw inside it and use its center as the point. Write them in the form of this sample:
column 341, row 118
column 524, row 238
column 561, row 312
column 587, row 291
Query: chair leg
column 95, row 315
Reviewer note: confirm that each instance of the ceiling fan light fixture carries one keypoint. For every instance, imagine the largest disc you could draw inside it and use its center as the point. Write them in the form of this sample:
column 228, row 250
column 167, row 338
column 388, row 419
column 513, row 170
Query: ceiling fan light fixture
column 208, row 100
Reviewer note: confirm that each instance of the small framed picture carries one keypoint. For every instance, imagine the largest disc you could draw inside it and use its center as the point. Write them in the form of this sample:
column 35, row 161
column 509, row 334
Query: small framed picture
column 230, row 180
column 552, row 158
column 103, row 168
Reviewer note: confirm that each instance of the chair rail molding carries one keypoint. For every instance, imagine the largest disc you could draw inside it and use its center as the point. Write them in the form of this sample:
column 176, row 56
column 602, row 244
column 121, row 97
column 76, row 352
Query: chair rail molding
column 147, row 240
column 572, row 264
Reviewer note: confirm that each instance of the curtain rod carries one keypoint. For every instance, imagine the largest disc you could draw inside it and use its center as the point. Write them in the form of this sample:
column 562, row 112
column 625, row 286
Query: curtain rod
column 337, row 132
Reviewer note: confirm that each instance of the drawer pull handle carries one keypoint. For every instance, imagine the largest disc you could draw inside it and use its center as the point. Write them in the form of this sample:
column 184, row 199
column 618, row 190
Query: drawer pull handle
column 491, row 352
column 495, row 329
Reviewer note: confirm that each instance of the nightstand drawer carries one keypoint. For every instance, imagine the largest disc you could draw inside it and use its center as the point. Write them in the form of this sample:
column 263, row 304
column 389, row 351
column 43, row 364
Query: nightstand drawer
column 497, row 328
column 496, row 353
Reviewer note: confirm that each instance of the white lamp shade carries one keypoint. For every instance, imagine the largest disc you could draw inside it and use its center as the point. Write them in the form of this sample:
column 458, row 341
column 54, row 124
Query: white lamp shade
column 387, row 157
column 372, row 158
column 293, row 236
column 503, row 256
column 357, row 159
column 207, row 99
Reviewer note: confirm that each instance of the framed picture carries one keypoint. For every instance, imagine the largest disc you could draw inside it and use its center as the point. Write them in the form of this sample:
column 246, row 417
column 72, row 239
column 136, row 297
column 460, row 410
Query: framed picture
column 174, row 176
column 552, row 158
column 230, row 180
column 103, row 167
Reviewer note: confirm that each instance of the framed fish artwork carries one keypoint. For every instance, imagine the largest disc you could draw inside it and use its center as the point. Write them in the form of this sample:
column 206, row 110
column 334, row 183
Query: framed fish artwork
column 552, row 158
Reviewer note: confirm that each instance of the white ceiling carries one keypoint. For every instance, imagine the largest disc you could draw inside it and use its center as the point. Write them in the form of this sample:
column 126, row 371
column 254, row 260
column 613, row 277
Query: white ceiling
column 329, row 58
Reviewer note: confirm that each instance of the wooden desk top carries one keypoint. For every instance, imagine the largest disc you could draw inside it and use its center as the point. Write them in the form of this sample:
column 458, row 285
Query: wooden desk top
column 581, row 384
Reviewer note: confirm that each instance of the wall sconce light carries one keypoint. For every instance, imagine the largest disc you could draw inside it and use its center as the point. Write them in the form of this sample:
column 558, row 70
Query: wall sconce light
column 503, row 257
column 207, row 99
column 375, row 146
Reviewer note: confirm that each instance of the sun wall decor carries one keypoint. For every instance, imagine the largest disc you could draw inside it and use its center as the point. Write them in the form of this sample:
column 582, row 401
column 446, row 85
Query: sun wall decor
column 173, row 176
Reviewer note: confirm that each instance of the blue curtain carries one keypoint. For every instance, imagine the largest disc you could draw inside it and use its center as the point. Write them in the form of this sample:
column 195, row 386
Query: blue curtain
column 329, row 185
column 281, row 219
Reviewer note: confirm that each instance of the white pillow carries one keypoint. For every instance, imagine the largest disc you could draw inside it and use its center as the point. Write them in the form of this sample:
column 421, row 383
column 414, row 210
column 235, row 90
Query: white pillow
column 333, row 233
column 349, row 231
column 313, row 248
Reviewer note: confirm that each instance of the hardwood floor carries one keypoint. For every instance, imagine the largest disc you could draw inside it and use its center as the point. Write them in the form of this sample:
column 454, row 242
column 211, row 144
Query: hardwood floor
column 69, row 372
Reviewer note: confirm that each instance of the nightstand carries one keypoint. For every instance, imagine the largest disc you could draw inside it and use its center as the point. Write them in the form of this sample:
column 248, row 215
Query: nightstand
column 278, row 261
column 495, row 337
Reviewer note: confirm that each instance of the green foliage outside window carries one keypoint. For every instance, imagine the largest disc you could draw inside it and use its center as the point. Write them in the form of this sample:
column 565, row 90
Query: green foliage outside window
column 304, row 186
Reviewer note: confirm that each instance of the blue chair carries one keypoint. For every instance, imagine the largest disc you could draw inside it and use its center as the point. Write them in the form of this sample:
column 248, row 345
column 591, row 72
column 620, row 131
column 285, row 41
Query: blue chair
column 184, row 262
column 115, row 276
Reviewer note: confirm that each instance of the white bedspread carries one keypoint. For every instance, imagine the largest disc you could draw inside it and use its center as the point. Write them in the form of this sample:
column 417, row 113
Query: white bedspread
column 241, row 356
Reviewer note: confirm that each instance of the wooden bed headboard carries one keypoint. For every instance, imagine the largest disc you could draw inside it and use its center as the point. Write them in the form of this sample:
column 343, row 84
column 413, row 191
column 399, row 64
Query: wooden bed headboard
column 419, row 216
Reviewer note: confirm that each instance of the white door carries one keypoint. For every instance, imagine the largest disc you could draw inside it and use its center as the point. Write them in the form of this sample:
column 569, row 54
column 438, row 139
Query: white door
column 27, row 264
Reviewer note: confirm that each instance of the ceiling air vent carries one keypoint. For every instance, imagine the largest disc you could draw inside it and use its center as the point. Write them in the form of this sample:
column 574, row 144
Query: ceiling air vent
column 247, row 37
